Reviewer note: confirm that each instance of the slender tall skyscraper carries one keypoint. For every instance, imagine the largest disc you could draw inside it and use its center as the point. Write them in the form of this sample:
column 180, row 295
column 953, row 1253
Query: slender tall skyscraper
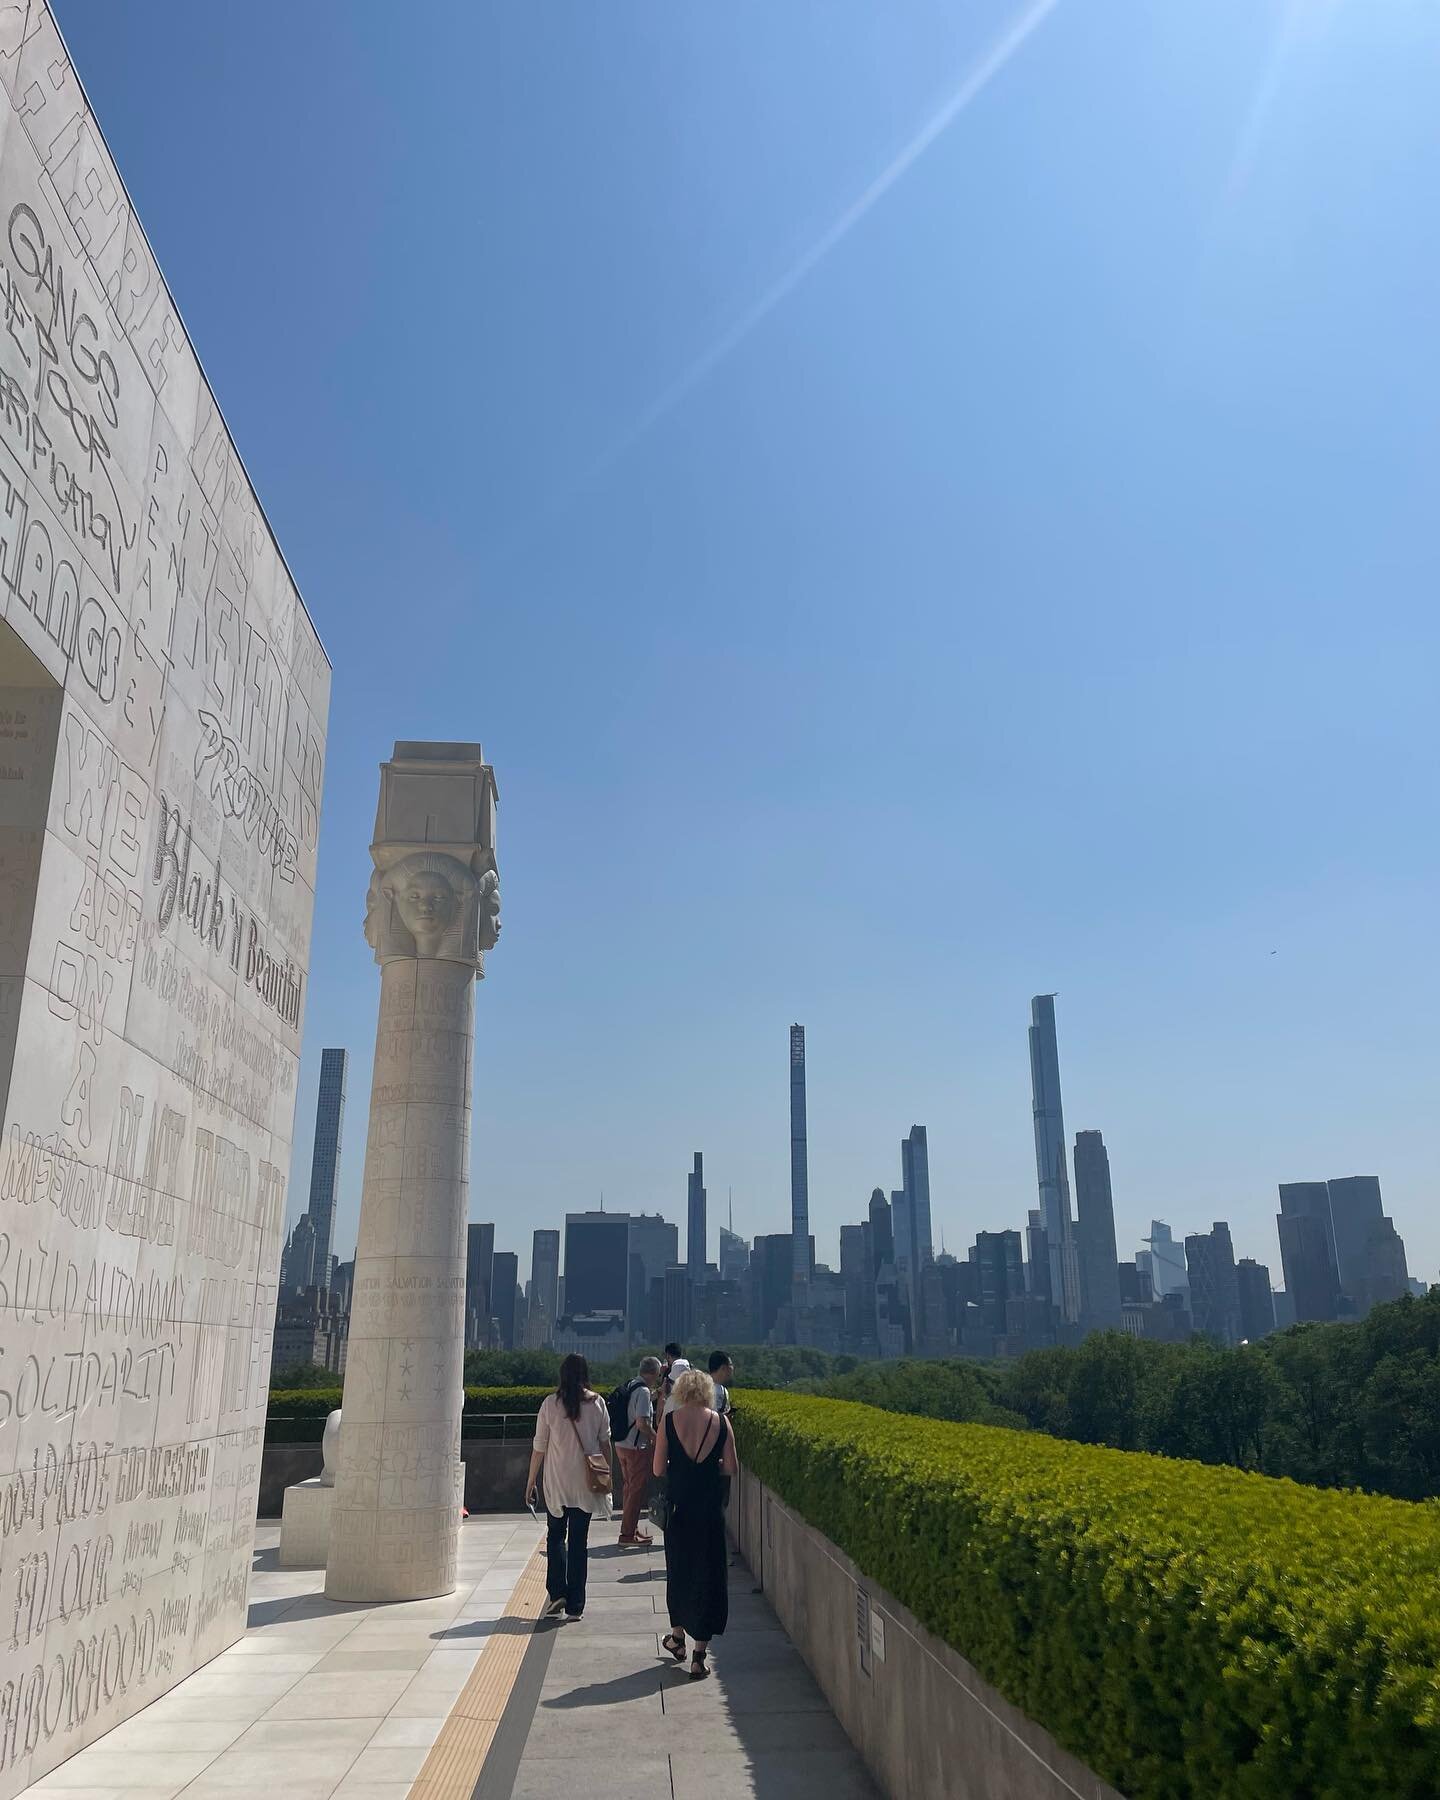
column 799, row 1164
column 1050, row 1163
column 915, row 1180
column 325, row 1165
column 695, row 1221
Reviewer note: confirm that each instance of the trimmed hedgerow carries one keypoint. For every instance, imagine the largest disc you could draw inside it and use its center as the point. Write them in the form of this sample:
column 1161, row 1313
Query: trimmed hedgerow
column 1185, row 1630
column 297, row 1415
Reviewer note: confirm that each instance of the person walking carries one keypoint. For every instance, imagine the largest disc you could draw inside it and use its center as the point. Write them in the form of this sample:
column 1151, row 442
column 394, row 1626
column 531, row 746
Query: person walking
column 694, row 1451
column 635, row 1447
column 722, row 1373
column 572, row 1439
column 677, row 1368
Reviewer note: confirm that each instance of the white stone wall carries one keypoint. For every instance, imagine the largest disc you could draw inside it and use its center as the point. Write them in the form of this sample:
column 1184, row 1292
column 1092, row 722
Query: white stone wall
column 150, row 1014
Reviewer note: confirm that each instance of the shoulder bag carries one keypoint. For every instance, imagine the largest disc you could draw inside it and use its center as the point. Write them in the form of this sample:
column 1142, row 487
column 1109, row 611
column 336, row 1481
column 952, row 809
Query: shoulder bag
column 597, row 1467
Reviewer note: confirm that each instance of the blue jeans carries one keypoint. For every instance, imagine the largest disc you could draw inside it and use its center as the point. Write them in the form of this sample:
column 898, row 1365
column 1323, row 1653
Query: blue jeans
column 565, row 1566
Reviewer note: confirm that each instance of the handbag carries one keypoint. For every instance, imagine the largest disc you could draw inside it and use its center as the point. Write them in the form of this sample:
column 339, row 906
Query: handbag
column 597, row 1467
column 659, row 1507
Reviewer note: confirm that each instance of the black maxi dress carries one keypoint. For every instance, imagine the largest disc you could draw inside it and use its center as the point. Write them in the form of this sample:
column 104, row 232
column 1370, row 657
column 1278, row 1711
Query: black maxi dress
column 696, row 1591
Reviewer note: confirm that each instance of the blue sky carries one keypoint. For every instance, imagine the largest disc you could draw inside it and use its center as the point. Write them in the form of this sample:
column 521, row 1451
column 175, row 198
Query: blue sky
column 1040, row 594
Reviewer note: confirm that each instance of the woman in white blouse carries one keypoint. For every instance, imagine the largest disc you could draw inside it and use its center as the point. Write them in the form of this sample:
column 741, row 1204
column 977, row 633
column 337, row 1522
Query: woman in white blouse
column 573, row 1424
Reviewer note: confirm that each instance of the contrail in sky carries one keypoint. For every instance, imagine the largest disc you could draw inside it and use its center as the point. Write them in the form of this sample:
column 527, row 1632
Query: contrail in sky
column 974, row 83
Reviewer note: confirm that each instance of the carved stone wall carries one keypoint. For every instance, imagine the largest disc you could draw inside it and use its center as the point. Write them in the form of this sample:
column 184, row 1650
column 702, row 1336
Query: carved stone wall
column 163, row 701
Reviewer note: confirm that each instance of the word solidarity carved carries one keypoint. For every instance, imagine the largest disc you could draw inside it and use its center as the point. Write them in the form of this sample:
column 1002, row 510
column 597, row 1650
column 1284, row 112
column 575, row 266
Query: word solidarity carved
column 163, row 702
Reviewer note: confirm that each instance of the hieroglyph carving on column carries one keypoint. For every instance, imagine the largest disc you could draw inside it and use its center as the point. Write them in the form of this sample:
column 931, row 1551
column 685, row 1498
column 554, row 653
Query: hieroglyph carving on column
column 432, row 912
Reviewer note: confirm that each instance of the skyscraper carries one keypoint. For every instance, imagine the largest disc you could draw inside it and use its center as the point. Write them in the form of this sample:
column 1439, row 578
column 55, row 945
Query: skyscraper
column 1037, row 1251
column 325, row 1163
column 504, row 1290
column 734, row 1255
column 479, row 1255
column 915, row 1182
column 654, row 1239
column 1307, row 1250
column 1257, row 1302
column 882, row 1243
column 1369, row 1254
column 859, row 1286
column 597, row 1262
column 545, row 1274
column 1050, row 1165
column 1163, row 1260
column 1000, row 1268
column 1355, row 1206
column 297, row 1261
column 799, row 1165
column 1214, row 1291
column 772, row 1279
column 695, row 1221
column 1095, row 1235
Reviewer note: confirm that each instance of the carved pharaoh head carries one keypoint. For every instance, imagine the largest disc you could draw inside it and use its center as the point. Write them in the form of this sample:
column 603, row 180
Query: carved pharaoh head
column 431, row 905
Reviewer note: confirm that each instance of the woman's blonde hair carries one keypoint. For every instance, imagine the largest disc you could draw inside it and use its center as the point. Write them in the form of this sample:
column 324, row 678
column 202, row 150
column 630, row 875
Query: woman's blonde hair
column 694, row 1385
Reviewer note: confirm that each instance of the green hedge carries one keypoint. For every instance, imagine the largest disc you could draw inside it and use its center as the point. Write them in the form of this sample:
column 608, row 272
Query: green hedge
column 1187, row 1631
column 297, row 1415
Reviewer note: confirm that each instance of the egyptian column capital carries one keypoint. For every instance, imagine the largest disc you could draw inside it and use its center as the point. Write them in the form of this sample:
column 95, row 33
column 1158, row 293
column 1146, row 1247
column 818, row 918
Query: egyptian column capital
column 435, row 890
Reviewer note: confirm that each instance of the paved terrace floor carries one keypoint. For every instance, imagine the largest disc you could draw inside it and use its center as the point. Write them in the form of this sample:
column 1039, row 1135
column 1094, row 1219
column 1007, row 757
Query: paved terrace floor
column 471, row 1696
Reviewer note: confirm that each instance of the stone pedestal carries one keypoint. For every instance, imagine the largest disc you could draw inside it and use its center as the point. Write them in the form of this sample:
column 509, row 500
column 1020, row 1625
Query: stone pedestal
column 433, row 911
column 305, row 1525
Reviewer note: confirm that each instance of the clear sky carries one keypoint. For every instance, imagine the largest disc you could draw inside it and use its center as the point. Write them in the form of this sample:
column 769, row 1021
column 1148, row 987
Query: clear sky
column 922, row 504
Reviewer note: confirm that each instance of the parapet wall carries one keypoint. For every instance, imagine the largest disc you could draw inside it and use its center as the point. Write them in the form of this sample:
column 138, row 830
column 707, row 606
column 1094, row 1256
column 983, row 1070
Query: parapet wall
column 925, row 1723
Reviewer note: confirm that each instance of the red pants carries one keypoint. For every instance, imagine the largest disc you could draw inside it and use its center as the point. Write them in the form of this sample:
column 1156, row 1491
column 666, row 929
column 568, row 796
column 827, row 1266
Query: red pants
column 635, row 1472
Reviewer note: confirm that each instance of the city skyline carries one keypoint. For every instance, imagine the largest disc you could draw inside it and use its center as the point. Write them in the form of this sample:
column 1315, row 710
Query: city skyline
column 1097, row 643
column 1339, row 1259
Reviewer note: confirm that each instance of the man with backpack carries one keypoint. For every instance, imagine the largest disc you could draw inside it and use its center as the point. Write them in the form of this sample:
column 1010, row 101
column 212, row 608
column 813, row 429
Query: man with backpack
column 632, row 1429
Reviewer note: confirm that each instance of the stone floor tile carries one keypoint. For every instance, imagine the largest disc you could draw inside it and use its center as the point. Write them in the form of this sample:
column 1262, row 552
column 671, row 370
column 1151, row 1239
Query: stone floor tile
column 308, row 1734
column 389, row 1762
column 98, row 1767
column 393, row 1732
column 633, row 1775
column 396, row 1655
column 274, row 1771
column 146, row 1732
column 724, row 1732
column 369, row 1694
column 795, row 1774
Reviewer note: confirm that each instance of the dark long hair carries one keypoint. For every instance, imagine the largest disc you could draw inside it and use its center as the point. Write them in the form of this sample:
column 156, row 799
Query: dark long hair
column 574, row 1379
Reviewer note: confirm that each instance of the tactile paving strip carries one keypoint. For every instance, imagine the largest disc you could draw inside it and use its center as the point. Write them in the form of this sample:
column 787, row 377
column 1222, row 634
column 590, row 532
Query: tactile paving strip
column 457, row 1756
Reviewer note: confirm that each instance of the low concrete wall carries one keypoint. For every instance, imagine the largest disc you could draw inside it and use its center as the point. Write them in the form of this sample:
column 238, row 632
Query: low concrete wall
column 281, row 1466
column 494, row 1474
column 925, row 1723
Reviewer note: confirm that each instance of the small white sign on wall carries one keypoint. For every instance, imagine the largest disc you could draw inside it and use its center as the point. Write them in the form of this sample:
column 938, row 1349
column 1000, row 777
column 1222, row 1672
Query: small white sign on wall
column 877, row 1634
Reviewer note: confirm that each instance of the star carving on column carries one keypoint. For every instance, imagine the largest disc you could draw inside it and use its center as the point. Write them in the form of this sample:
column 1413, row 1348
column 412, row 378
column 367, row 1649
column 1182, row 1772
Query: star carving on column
column 405, row 1368
column 405, row 1393
column 408, row 1346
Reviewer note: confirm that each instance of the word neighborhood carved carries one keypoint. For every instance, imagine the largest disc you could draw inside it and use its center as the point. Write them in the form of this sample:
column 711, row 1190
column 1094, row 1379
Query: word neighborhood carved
column 161, row 762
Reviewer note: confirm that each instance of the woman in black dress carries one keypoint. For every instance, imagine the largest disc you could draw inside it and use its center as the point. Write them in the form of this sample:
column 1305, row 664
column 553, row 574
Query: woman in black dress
column 695, row 1449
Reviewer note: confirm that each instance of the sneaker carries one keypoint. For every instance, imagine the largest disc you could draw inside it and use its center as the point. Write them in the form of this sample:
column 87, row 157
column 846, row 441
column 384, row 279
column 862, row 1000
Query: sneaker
column 554, row 1608
column 573, row 1618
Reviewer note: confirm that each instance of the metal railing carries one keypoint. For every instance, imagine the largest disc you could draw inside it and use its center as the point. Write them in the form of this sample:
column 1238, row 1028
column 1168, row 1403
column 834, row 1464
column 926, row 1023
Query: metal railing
column 483, row 1428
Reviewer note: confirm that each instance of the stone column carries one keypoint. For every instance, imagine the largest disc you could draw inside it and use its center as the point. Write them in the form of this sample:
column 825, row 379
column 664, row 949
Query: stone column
column 433, row 910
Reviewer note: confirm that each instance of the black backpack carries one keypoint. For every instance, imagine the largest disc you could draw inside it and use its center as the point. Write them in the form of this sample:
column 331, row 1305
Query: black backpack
column 618, row 1402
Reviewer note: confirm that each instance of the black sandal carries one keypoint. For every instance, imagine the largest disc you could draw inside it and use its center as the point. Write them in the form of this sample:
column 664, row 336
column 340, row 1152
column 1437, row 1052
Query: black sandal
column 675, row 1644
column 698, row 1669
